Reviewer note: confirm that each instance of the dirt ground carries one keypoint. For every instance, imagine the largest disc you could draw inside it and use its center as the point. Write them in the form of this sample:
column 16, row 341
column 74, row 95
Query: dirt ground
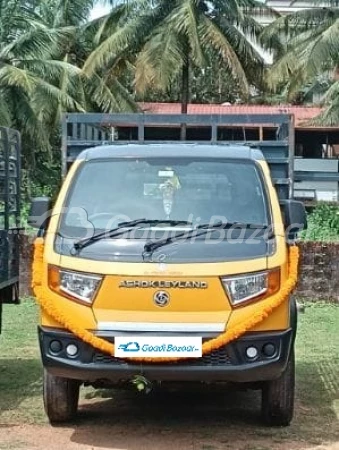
column 32, row 438
column 189, row 418
column 173, row 420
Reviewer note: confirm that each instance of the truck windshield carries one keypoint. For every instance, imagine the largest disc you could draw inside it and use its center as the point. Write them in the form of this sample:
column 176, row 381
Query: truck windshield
column 105, row 193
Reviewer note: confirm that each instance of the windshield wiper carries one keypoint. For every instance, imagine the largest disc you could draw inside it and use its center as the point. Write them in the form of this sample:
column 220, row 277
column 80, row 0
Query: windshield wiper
column 150, row 247
column 122, row 228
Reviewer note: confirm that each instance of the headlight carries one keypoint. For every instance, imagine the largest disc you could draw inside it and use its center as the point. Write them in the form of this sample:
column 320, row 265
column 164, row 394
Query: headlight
column 243, row 288
column 76, row 285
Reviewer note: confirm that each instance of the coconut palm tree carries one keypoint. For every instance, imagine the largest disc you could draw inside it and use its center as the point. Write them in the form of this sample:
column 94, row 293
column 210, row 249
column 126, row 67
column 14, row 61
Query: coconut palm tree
column 94, row 92
column 59, row 13
column 307, row 49
column 41, row 53
column 169, row 38
column 27, row 65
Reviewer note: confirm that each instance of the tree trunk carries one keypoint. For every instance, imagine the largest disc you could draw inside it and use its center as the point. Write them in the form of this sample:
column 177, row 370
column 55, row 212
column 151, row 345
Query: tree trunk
column 336, row 73
column 184, row 95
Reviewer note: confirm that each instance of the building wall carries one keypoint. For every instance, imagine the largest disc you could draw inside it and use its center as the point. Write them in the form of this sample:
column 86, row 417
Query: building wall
column 26, row 258
column 319, row 270
column 285, row 7
column 323, row 190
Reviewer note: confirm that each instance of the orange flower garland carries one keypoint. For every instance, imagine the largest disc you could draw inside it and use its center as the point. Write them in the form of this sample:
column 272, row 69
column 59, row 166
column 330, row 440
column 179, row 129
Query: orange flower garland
column 74, row 324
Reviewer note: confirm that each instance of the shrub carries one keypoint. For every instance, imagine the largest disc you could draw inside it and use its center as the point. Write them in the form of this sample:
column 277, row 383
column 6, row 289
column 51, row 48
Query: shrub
column 323, row 223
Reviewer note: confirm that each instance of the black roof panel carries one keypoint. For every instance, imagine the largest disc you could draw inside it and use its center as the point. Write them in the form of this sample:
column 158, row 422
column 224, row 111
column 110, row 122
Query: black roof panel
column 168, row 150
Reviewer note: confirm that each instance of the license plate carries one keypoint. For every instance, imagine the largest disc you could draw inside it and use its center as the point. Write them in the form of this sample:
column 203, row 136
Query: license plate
column 158, row 347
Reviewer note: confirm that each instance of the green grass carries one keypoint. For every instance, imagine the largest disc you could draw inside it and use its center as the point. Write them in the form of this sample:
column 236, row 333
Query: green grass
column 20, row 367
column 317, row 407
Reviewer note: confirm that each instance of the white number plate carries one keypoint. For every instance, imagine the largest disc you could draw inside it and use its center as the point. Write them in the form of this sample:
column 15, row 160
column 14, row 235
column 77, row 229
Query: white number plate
column 158, row 347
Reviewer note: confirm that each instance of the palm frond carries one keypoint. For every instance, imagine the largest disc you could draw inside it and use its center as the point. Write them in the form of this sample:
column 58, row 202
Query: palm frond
column 25, row 119
column 5, row 112
column 242, row 38
column 11, row 76
column 185, row 21
column 114, row 45
column 160, row 60
column 114, row 98
column 109, row 22
column 307, row 56
column 130, row 34
column 298, row 22
column 49, row 68
column 324, row 48
column 69, row 13
column 233, row 9
column 59, row 96
column 212, row 36
column 39, row 42
column 283, row 69
column 250, row 27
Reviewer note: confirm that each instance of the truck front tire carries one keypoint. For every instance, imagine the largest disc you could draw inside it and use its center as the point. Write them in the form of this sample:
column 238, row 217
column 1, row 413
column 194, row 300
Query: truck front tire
column 278, row 397
column 61, row 398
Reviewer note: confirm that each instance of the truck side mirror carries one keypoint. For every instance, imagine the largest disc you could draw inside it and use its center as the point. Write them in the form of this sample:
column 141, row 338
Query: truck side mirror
column 40, row 212
column 295, row 217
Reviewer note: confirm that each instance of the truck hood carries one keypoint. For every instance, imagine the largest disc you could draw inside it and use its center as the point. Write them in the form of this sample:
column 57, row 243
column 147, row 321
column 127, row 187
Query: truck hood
column 122, row 305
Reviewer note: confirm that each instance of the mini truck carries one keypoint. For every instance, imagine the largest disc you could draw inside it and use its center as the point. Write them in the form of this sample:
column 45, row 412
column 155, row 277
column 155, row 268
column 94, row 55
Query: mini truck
column 9, row 216
column 169, row 241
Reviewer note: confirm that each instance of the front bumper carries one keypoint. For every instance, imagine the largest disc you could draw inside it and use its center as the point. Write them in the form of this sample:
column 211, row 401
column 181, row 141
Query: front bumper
column 228, row 364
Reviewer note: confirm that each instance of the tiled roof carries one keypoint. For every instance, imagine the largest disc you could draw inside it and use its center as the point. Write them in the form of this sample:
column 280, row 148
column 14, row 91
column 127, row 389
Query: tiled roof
column 302, row 114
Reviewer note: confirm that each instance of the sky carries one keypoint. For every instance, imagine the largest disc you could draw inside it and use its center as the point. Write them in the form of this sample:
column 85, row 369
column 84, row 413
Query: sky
column 99, row 11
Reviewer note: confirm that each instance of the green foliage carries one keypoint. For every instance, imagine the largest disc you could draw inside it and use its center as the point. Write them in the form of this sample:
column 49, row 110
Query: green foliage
column 323, row 223
column 42, row 51
column 306, row 44
column 52, row 60
column 142, row 384
column 161, row 38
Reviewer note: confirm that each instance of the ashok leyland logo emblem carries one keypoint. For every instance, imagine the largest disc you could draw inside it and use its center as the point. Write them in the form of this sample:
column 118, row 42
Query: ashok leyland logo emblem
column 161, row 298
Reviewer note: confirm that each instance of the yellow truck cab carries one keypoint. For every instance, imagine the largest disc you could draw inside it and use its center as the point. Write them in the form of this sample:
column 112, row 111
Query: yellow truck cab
column 161, row 248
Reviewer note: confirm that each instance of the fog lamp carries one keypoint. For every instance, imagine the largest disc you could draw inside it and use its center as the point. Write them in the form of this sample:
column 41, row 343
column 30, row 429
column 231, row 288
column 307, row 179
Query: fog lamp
column 251, row 352
column 72, row 350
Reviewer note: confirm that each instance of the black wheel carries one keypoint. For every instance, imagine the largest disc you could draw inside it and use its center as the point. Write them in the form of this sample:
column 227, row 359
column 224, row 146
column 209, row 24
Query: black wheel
column 278, row 397
column 61, row 398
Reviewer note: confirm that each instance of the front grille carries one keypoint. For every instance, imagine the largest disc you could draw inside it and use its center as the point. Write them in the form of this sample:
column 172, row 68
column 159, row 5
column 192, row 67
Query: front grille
column 100, row 358
column 217, row 358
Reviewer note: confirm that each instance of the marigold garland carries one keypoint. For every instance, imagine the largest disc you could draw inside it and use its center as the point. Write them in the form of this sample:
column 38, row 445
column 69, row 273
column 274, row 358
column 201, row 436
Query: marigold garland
column 73, row 325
